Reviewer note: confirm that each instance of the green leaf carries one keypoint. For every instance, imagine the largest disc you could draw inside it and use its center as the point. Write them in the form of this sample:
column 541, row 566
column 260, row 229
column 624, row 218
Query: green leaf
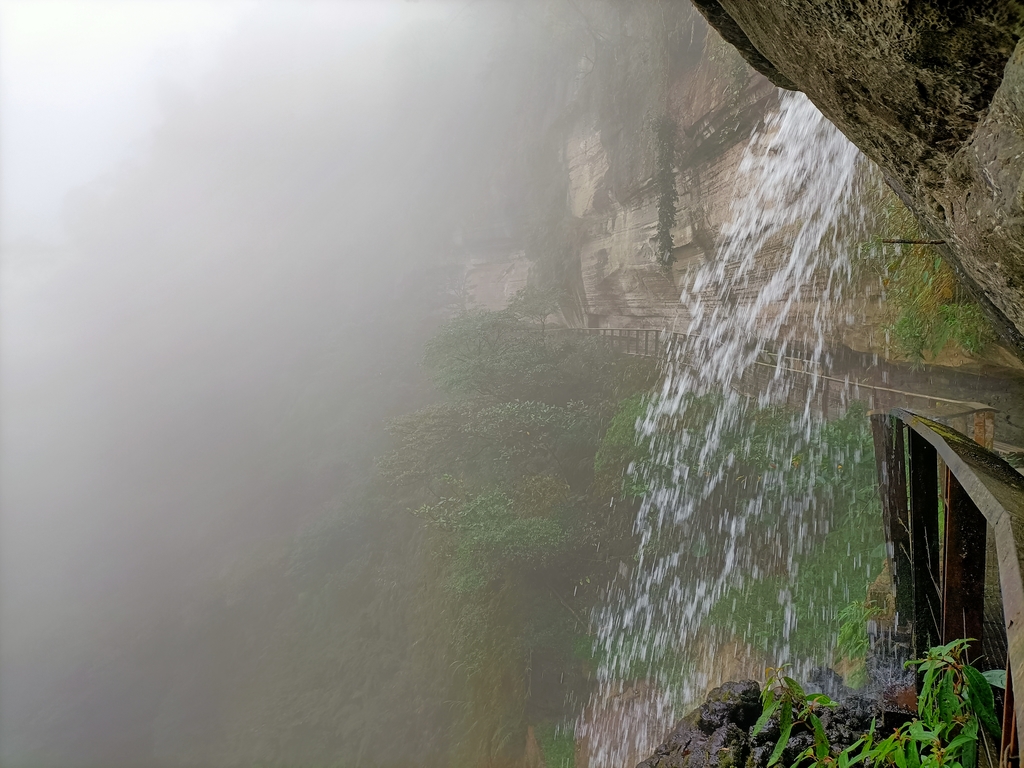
column 969, row 756
column 770, row 708
column 926, row 690
column 996, row 677
column 795, row 689
column 919, row 732
column 821, row 743
column 899, row 756
column 822, row 700
column 785, row 729
column 913, row 756
column 979, row 693
column 947, row 699
column 807, row 754
column 882, row 750
column 848, row 757
column 960, row 742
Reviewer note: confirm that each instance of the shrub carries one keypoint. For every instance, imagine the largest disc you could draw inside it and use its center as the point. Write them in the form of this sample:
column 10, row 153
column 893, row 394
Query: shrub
column 955, row 703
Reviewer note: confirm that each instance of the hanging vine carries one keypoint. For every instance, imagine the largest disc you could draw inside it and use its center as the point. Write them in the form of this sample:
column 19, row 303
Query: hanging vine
column 665, row 179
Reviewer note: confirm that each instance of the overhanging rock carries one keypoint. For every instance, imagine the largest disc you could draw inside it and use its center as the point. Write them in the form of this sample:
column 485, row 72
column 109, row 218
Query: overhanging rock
column 933, row 92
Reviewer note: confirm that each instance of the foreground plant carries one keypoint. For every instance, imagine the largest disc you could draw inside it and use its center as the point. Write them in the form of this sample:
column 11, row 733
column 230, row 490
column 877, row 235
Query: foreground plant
column 956, row 702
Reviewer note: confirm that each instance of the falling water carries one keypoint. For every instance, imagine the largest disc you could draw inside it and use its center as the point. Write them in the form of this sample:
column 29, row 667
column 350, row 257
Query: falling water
column 707, row 532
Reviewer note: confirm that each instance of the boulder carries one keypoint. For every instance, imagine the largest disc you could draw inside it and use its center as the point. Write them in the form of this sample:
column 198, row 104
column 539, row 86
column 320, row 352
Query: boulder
column 716, row 734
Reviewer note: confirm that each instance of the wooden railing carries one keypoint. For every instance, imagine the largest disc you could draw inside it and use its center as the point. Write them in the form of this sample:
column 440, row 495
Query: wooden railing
column 939, row 584
column 646, row 342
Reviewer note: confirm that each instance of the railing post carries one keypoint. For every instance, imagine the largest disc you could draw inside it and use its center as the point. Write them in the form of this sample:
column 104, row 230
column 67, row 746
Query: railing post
column 890, row 459
column 963, row 573
column 984, row 428
column 924, row 541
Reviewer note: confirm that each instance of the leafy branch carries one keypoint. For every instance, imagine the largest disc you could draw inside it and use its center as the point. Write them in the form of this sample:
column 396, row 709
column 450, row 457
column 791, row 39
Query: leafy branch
column 955, row 704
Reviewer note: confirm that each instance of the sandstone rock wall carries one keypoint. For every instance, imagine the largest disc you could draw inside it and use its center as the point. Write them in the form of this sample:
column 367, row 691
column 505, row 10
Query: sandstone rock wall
column 632, row 73
column 595, row 203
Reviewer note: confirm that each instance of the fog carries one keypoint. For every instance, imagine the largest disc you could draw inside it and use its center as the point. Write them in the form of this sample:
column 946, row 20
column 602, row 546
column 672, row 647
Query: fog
column 338, row 424
column 226, row 234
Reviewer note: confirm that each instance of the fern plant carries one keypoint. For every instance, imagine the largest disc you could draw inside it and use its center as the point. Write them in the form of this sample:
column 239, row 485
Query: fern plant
column 852, row 643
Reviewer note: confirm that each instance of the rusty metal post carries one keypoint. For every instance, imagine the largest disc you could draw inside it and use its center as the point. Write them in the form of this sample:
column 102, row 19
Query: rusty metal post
column 963, row 587
column 985, row 428
column 924, row 542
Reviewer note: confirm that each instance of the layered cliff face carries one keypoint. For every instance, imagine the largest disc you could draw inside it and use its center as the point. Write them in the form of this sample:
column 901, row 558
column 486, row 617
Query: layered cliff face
column 934, row 94
column 576, row 201
column 597, row 231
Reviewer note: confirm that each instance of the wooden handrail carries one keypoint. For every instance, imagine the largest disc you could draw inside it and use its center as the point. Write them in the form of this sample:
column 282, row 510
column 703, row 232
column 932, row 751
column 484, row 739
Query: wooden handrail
column 980, row 489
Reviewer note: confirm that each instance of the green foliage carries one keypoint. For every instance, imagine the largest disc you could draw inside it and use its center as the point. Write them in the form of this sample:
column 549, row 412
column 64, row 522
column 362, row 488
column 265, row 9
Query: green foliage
column 955, row 704
column 621, row 452
column 853, row 643
column 1015, row 459
column 535, row 305
column 493, row 533
column 967, row 325
column 558, row 745
column 430, row 442
column 492, row 443
column 508, row 355
column 492, row 355
column 767, row 469
column 665, row 180
column 783, row 695
column 927, row 308
column 837, row 465
column 502, row 475
column 537, row 435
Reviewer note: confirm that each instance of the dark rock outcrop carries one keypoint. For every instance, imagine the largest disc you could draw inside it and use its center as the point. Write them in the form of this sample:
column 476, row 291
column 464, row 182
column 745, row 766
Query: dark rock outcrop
column 718, row 733
column 932, row 91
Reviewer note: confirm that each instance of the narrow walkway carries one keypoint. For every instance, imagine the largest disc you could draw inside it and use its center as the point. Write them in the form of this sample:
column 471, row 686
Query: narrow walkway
column 941, row 392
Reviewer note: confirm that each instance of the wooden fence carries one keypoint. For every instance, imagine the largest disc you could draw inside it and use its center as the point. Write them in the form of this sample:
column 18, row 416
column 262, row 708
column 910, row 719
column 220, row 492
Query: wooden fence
column 932, row 478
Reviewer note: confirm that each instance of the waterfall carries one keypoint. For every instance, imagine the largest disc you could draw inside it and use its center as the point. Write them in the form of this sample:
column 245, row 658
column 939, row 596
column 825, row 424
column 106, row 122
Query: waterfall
column 708, row 532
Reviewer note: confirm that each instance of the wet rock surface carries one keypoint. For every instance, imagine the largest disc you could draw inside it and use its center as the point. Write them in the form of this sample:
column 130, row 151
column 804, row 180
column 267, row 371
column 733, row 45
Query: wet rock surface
column 718, row 733
column 931, row 91
column 715, row 734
